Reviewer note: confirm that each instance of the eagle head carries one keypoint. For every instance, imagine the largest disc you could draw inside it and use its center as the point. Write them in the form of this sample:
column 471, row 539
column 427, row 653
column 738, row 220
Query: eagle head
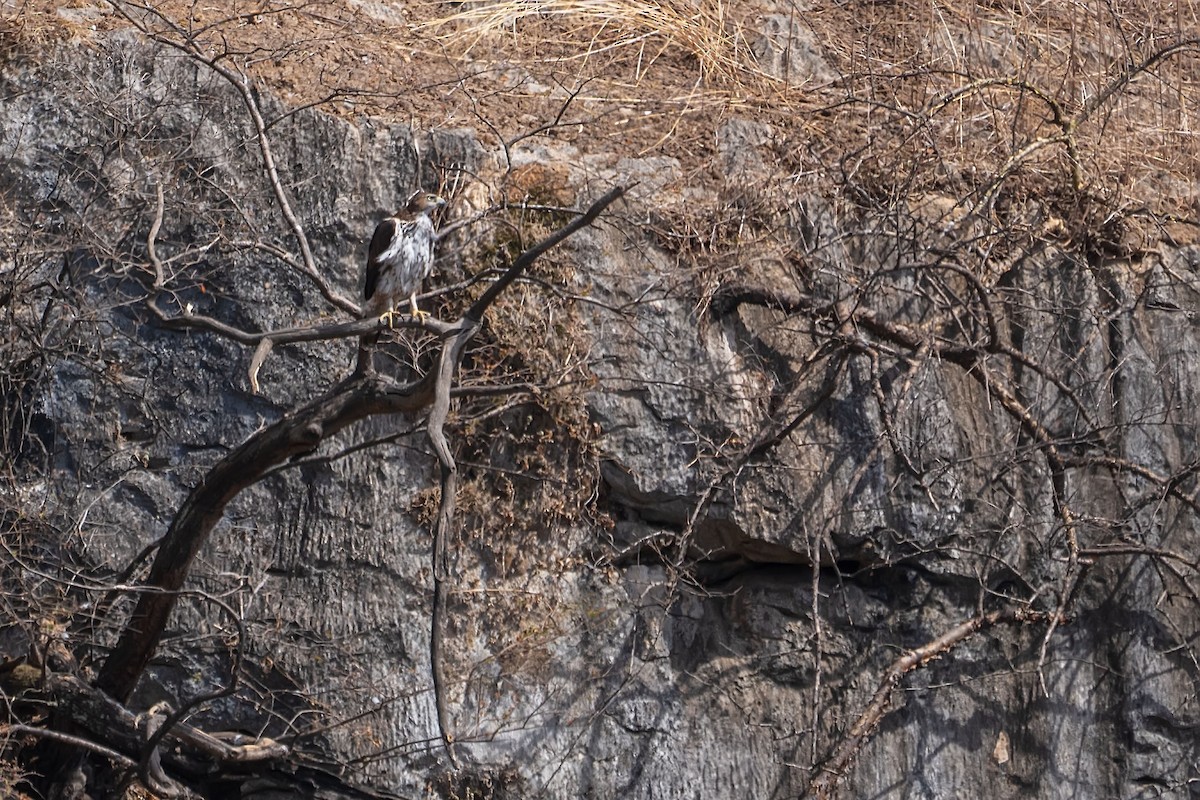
column 423, row 203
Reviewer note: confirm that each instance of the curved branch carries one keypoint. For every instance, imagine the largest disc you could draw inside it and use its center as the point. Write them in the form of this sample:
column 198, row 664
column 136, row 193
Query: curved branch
column 1066, row 125
column 1060, row 119
column 1122, row 80
column 298, row 432
column 448, row 362
column 160, row 279
column 159, row 726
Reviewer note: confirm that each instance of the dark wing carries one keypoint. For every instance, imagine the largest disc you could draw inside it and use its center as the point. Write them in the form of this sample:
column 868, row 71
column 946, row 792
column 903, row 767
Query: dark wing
column 382, row 237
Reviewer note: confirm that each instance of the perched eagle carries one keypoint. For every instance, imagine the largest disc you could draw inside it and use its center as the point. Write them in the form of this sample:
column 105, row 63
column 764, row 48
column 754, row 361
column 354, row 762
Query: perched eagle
column 401, row 256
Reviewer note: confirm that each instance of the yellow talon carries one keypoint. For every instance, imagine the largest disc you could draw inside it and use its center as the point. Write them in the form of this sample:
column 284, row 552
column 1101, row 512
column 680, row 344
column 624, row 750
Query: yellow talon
column 389, row 317
column 417, row 313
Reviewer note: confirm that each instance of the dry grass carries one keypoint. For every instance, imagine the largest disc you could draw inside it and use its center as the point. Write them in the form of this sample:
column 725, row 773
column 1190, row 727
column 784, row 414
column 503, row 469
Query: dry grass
column 1032, row 98
column 26, row 28
column 661, row 78
column 1030, row 62
column 638, row 34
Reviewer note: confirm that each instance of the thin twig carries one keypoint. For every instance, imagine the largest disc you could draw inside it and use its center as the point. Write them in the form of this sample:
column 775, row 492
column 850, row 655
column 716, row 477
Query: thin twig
column 825, row 777
column 74, row 741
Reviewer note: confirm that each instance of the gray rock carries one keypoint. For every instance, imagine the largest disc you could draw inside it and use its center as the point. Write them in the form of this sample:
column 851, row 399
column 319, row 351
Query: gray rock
column 579, row 667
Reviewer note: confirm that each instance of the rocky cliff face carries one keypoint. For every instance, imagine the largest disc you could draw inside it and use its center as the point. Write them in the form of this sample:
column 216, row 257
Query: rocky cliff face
column 780, row 440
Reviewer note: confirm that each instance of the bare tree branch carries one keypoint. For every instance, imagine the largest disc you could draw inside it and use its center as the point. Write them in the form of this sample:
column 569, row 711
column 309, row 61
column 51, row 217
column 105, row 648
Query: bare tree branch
column 300, row 432
column 449, row 359
column 72, row 740
column 186, row 43
column 825, row 778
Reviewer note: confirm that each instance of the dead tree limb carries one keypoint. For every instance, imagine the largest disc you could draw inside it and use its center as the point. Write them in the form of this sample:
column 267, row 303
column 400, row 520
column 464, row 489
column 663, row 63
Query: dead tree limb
column 70, row 739
column 217, row 759
column 265, row 341
column 448, row 361
column 297, row 433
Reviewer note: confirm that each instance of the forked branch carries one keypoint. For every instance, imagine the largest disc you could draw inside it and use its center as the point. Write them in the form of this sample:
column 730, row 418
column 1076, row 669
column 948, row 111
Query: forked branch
column 448, row 362
column 299, row 432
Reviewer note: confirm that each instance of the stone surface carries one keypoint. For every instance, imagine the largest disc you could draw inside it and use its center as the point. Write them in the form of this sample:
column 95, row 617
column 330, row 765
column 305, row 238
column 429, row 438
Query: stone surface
column 575, row 671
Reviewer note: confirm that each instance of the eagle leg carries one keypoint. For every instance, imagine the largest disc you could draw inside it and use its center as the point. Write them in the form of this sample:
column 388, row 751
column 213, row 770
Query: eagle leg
column 417, row 313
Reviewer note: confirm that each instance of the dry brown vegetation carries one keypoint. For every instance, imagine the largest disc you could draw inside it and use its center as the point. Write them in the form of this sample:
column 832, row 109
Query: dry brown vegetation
column 1053, row 120
column 959, row 92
